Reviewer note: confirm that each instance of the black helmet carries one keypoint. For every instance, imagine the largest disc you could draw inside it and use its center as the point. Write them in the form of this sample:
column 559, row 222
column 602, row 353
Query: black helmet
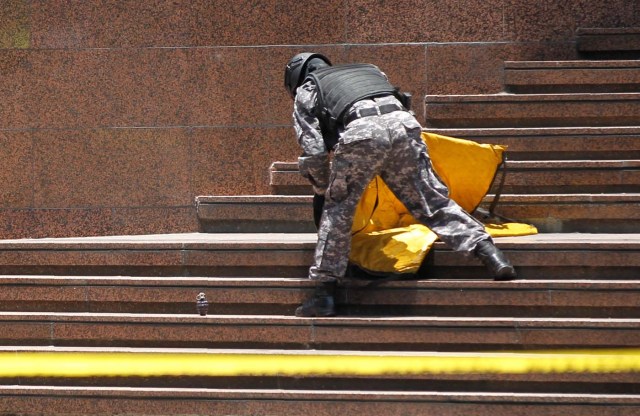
column 298, row 68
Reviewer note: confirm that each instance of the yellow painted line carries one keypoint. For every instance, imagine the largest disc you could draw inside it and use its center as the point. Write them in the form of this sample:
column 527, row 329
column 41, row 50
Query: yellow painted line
column 100, row 364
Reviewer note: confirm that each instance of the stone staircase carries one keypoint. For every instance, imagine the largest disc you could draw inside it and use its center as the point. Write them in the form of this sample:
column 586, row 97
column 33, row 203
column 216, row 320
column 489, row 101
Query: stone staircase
column 573, row 171
column 137, row 294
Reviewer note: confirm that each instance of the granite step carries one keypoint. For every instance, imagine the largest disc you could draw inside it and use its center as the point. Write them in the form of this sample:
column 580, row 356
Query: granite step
column 609, row 43
column 557, row 143
column 280, row 296
column 524, row 177
column 477, row 381
column 261, row 213
column 541, row 256
column 570, row 213
column 539, row 383
column 550, row 213
column 36, row 400
column 530, row 77
column 285, row 179
column 370, row 333
column 573, row 176
column 188, row 254
column 532, row 110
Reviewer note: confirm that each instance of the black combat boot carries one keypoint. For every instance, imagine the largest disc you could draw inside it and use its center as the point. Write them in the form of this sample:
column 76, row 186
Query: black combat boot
column 322, row 303
column 495, row 261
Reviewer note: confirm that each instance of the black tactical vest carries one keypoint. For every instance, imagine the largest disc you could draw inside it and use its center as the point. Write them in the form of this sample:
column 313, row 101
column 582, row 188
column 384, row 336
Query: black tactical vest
column 339, row 87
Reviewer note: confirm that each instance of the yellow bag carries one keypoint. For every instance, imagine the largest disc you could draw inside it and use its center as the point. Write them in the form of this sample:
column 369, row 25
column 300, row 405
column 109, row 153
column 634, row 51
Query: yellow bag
column 385, row 236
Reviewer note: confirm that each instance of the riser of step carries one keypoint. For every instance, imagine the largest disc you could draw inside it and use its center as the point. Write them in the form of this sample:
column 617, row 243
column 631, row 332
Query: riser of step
column 265, row 296
column 83, row 400
column 571, row 76
column 264, row 213
column 530, row 177
column 599, row 213
column 544, row 263
column 561, row 143
column 193, row 254
column 587, row 213
column 611, row 43
column 286, row 332
column 532, row 110
column 616, row 383
column 546, row 256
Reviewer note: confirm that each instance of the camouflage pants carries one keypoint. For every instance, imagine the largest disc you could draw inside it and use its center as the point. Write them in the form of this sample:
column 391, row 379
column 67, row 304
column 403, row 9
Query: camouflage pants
column 390, row 146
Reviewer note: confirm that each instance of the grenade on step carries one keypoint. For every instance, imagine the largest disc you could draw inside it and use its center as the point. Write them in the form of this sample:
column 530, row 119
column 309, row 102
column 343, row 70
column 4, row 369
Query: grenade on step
column 202, row 305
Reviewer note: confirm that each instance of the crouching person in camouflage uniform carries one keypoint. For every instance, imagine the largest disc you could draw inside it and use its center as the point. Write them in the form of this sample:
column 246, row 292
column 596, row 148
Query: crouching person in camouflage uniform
column 354, row 112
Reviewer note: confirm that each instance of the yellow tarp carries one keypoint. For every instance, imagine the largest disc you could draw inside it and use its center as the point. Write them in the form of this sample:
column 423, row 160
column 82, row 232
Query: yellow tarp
column 387, row 239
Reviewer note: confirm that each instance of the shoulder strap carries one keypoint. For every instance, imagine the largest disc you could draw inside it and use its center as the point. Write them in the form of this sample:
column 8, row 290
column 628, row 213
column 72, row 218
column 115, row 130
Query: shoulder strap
column 503, row 174
column 487, row 214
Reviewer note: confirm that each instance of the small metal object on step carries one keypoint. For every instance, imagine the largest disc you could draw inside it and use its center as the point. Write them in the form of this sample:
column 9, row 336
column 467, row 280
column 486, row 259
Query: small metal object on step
column 202, row 305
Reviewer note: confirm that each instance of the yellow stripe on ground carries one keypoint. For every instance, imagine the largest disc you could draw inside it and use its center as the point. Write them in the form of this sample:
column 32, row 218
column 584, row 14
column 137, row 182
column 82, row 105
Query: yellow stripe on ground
column 99, row 364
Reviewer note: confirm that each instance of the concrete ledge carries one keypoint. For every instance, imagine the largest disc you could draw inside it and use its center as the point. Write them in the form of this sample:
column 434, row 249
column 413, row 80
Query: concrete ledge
column 532, row 110
column 571, row 76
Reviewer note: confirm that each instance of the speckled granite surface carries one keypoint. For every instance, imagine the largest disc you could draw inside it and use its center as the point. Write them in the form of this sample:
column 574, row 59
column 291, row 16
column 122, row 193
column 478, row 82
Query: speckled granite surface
column 116, row 108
